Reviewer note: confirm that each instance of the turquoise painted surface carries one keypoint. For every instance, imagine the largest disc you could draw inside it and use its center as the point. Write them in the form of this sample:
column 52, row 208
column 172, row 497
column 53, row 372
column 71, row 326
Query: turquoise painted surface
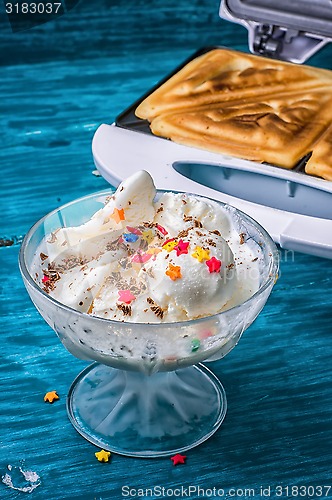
column 58, row 83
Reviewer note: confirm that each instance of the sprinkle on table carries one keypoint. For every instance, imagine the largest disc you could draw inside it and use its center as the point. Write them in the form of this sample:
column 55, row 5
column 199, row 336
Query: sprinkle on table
column 174, row 272
column 50, row 397
column 118, row 215
column 178, row 459
column 181, row 247
column 103, row 456
column 201, row 254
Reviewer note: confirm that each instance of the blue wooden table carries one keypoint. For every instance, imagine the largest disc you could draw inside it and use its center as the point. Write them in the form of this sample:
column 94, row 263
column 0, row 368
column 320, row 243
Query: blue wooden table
column 58, row 82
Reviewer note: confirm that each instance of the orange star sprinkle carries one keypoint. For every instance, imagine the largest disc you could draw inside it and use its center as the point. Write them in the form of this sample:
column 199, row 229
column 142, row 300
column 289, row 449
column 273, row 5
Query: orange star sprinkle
column 174, row 272
column 178, row 459
column 103, row 456
column 201, row 254
column 50, row 397
column 118, row 215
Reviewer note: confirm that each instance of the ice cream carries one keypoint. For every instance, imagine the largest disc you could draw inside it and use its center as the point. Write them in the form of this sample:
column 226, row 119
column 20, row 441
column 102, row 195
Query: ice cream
column 147, row 259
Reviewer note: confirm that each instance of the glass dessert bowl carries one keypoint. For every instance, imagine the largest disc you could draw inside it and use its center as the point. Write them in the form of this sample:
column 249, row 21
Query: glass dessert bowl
column 147, row 393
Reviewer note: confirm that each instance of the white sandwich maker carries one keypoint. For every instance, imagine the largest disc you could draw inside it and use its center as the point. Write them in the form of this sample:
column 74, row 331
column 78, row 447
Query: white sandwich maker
column 295, row 208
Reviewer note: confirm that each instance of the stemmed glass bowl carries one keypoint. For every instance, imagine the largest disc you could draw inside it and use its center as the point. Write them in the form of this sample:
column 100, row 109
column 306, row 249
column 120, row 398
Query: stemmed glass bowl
column 147, row 393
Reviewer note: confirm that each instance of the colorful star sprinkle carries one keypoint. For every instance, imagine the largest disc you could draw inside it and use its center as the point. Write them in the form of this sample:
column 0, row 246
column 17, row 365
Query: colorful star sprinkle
column 174, row 272
column 195, row 345
column 178, row 459
column 154, row 250
column 134, row 230
column 213, row 265
column 201, row 254
column 118, row 215
column 169, row 245
column 141, row 257
column 50, row 397
column 103, row 456
column 161, row 229
column 45, row 279
column 181, row 247
column 148, row 236
column 126, row 296
column 130, row 237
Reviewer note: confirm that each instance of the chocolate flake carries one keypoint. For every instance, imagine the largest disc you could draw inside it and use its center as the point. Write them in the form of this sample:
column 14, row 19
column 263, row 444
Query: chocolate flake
column 53, row 276
column 53, row 238
column 215, row 231
column 108, row 199
column 187, row 218
column 125, row 308
column 155, row 308
column 198, row 223
column 254, row 260
column 242, row 238
column 160, row 209
column 184, row 233
column 43, row 256
column 211, row 243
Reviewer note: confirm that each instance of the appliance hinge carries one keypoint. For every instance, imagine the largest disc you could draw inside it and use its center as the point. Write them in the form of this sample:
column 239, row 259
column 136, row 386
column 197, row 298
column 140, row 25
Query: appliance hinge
column 268, row 40
column 283, row 43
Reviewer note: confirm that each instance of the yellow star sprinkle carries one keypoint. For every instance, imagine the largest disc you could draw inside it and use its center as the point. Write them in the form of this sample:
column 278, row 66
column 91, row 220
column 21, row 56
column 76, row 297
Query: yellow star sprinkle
column 148, row 235
column 103, row 456
column 169, row 245
column 200, row 254
column 118, row 215
column 50, row 397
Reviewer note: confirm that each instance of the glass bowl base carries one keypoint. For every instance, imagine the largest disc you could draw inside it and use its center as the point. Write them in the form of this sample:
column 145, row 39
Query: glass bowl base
column 140, row 415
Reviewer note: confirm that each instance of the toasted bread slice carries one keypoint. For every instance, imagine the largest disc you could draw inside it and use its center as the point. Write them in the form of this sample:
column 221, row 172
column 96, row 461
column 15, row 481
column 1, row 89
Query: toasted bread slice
column 320, row 163
column 223, row 75
column 277, row 130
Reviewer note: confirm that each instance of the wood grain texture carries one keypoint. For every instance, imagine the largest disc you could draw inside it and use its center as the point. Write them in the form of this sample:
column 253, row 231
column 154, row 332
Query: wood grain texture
column 58, row 83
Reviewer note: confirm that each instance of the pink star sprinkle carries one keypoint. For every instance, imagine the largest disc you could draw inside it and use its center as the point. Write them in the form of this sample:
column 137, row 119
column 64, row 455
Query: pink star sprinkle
column 181, row 247
column 126, row 296
column 213, row 265
column 45, row 279
column 141, row 258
